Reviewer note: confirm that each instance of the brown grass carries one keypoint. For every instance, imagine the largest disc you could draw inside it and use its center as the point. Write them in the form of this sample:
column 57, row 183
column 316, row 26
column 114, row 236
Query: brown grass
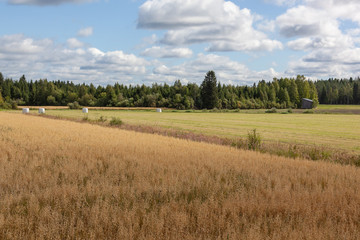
column 66, row 180
column 290, row 150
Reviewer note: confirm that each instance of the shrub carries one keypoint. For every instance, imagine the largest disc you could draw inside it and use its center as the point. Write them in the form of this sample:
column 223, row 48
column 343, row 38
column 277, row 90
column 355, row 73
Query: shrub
column 290, row 110
column 254, row 140
column 239, row 143
column 74, row 105
column 102, row 119
column 272, row 110
column 215, row 110
column 116, row 122
column 308, row 112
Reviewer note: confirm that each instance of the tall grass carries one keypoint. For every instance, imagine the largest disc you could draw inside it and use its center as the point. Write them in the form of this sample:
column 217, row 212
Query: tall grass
column 67, row 180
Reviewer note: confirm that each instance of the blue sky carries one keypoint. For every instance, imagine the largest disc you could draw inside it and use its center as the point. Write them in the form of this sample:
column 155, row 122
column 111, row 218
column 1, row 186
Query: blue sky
column 136, row 42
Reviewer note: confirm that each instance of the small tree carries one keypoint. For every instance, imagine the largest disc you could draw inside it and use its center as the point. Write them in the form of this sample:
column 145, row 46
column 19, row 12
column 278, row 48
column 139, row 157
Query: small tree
column 1, row 100
column 209, row 92
column 254, row 140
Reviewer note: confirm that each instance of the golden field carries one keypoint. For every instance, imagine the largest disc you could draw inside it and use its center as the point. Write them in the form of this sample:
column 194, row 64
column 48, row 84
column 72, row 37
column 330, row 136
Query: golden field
column 336, row 131
column 67, row 180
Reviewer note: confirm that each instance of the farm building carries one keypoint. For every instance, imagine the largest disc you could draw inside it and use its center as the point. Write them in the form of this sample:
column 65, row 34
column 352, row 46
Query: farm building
column 307, row 103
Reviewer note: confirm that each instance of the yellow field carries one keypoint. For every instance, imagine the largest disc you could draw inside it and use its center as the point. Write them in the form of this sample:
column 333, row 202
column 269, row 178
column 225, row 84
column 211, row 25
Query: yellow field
column 67, row 180
column 329, row 130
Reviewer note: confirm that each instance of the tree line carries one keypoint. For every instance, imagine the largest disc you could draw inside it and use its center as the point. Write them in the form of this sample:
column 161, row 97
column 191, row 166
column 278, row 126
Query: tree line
column 278, row 93
column 339, row 91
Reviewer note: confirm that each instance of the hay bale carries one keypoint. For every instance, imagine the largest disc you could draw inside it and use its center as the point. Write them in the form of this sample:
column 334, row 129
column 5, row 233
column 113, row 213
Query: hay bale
column 159, row 110
column 25, row 110
column 85, row 110
column 42, row 110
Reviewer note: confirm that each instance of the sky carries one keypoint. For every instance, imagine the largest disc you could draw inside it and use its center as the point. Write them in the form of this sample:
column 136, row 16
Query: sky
column 160, row 41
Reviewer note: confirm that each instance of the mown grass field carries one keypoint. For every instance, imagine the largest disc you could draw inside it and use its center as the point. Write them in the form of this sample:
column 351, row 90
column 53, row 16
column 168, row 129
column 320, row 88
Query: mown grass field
column 68, row 180
column 336, row 131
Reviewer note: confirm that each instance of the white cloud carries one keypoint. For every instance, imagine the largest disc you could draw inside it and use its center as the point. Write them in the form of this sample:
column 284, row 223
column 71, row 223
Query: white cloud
column 74, row 43
column 167, row 52
column 304, row 21
column 317, row 26
column 44, row 59
column 19, row 44
column 227, row 71
column 170, row 14
column 220, row 23
column 45, row 2
column 85, row 32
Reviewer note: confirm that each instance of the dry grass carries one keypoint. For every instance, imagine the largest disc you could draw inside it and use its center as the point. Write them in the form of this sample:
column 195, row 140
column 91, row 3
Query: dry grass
column 91, row 108
column 66, row 180
column 324, row 130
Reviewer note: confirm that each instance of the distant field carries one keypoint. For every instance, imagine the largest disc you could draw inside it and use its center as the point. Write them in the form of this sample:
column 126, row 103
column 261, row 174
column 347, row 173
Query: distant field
column 338, row 109
column 68, row 180
column 330, row 130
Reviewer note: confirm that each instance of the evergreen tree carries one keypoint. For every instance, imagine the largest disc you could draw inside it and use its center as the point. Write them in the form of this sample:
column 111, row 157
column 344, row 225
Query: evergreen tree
column 293, row 93
column 209, row 93
column 1, row 100
column 323, row 96
column 356, row 94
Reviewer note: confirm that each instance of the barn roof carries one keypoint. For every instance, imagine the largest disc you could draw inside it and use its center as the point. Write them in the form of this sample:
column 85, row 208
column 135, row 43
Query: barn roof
column 306, row 99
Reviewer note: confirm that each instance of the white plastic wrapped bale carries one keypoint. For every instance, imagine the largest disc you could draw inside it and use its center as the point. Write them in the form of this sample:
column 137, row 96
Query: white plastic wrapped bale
column 159, row 110
column 25, row 110
column 41, row 110
column 85, row 110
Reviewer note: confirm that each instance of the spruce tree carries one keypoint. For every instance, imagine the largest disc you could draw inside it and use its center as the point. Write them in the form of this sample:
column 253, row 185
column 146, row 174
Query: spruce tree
column 209, row 92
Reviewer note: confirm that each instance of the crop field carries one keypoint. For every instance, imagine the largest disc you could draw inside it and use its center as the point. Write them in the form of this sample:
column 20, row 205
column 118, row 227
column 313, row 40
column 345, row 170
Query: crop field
column 66, row 180
column 336, row 131
column 338, row 109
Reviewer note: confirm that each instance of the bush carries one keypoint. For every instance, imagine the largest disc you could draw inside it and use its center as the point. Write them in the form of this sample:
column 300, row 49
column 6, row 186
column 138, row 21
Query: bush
column 272, row 110
column 254, row 140
column 290, row 110
column 116, row 122
column 74, row 105
column 102, row 119
column 308, row 112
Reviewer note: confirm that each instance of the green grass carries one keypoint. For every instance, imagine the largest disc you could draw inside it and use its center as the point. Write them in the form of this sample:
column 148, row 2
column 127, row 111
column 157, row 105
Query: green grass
column 331, row 107
column 330, row 130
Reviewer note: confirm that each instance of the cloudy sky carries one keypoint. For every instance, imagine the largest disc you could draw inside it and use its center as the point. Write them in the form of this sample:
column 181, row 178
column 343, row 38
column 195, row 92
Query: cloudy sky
column 139, row 41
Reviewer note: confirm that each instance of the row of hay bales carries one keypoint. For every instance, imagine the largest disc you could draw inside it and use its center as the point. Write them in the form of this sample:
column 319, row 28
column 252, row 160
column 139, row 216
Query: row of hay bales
column 84, row 110
column 42, row 110
column 27, row 110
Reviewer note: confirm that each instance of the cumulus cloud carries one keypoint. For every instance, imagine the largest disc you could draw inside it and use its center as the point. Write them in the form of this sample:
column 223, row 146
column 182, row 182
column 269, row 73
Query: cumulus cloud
column 227, row 71
column 45, row 59
column 85, row 32
column 45, row 2
column 220, row 23
column 72, row 61
column 166, row 52
column 74, row 43
column 317, row 26
column 20, row 45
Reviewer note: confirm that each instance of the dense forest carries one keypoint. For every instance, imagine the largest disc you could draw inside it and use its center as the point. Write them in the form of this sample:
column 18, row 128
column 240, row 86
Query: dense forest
column 279, row 93
column 339, row 91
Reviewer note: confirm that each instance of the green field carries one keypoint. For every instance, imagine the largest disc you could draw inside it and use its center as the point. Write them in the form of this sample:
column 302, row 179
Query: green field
column 337, row 131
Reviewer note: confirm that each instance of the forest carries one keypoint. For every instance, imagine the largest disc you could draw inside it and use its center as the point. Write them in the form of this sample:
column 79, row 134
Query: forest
column 279, row 93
